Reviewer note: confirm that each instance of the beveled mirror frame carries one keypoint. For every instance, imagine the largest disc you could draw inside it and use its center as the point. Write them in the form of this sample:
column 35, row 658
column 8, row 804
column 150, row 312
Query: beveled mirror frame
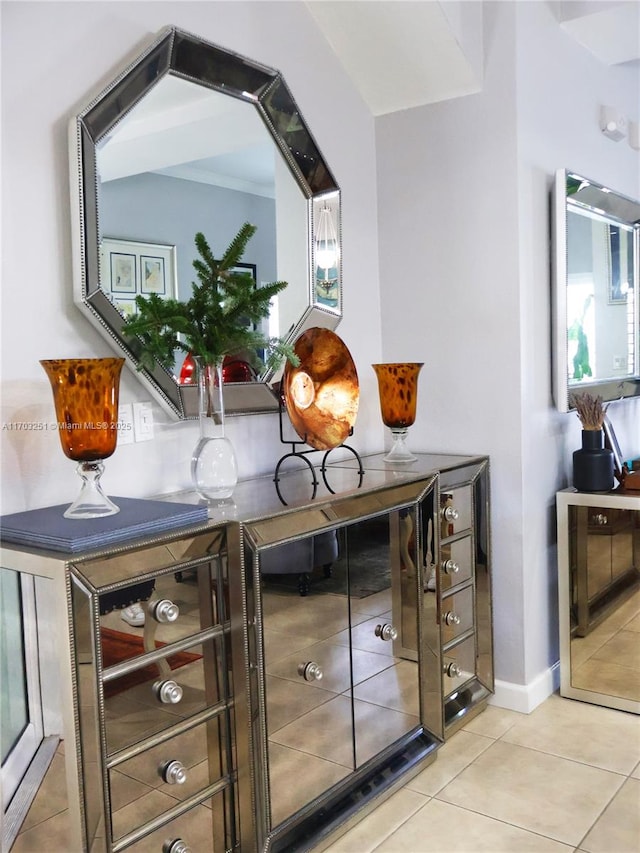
column 594, row 197
column 174, row 52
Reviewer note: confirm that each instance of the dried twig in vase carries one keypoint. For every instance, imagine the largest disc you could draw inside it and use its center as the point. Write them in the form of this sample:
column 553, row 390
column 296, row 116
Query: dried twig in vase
column 589, row 410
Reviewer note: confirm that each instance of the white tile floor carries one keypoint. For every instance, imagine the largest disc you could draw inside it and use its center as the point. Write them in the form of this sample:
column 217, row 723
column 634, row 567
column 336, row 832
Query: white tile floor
column 564, row 778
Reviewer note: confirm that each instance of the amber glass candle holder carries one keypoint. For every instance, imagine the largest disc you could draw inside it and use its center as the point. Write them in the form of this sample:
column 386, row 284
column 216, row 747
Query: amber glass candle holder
column 398, row 389
column 85, row 395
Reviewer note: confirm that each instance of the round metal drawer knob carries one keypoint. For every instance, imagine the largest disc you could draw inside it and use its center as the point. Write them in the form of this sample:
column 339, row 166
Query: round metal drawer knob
column 601, row 519
column 174, row 772
column 386, row 632
column 452, row 670
column 177, row 845
column 168, row 692
column 450, row 513
column 451, row 618
column 450, row 567
column 310, row 671
column 164, row 610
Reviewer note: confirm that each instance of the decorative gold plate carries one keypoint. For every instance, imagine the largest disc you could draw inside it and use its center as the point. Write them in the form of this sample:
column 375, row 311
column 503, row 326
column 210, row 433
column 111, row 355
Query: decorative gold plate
column 322, row 393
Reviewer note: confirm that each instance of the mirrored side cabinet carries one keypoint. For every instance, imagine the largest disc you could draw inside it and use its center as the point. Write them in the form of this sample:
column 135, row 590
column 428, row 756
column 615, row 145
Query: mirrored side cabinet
column 353, row 686
column 599, row 597
column 296, row 665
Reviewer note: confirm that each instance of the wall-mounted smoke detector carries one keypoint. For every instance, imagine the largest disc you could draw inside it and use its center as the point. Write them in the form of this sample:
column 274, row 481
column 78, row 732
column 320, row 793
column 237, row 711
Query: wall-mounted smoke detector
column 612, row 123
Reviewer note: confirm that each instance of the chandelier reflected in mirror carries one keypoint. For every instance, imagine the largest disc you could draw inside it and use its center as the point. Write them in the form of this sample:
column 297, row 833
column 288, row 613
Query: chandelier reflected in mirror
column 327, row 250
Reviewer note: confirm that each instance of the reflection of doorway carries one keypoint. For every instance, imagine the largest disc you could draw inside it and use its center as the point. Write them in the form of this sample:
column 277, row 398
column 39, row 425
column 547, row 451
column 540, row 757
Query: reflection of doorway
column 25, row 752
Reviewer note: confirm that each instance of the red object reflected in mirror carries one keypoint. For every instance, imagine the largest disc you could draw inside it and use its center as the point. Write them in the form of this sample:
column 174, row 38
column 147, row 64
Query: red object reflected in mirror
column 234, row 369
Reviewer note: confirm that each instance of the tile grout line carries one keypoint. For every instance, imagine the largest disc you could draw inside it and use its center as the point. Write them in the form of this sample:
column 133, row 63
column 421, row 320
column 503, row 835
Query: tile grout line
column 572, row 760
column 604, row 809
column 380, row 841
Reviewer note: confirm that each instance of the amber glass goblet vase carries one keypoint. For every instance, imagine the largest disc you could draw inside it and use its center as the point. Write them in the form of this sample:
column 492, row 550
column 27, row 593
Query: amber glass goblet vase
column 398, row 389
column 85, row 395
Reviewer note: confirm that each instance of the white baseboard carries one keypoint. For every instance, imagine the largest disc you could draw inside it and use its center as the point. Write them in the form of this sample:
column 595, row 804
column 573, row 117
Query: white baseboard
column 525, row 697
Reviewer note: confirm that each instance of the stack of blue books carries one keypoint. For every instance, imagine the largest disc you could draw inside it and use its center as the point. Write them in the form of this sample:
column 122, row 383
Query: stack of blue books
column 48, row 528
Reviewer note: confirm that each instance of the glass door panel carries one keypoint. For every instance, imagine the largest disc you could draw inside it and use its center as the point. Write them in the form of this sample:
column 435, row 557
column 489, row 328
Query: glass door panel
column 21, row 726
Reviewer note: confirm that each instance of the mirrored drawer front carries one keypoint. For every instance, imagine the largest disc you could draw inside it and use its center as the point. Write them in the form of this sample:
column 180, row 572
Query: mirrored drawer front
column 455, row 511
column 149, row 700
column 195, row 830
column 167, row 611
column 458, row 665
column 456, row 615
column 456, row 563
column 151, row 559
column 607, row 521
column 166, row 774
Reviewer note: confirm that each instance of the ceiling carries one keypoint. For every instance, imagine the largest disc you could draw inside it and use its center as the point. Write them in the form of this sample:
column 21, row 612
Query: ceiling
column 406, row 53
column 610, row 30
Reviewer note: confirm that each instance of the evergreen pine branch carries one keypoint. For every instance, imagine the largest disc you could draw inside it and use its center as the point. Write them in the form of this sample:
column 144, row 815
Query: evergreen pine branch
column 236, row 249
column 218, row 318
column 279, row 351
column 209, row 265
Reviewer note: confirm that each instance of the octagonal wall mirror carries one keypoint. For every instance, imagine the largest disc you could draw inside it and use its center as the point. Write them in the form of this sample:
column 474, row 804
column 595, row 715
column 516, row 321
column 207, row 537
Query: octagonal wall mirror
column 191, row 137
column 596, row 325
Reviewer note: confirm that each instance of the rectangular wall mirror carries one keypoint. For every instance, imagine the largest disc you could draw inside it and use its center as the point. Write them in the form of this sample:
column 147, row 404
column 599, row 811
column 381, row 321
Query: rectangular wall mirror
column 596, row 330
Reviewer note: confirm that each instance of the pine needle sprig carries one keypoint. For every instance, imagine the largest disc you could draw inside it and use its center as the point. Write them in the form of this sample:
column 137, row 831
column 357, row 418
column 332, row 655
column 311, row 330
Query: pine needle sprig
column 220, row 317
column 236, row 248
column 589, row 410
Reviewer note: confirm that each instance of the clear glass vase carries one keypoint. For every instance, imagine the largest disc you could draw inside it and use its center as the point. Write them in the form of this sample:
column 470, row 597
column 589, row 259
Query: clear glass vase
column 214, row 469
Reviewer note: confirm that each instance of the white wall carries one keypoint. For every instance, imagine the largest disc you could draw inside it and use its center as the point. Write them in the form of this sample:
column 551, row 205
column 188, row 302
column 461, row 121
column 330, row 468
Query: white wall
column 464, row 268
column 54, row 55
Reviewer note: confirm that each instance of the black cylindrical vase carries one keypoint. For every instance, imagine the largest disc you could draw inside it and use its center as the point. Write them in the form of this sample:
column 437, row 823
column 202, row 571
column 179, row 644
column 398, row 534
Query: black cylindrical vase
column 593, row 463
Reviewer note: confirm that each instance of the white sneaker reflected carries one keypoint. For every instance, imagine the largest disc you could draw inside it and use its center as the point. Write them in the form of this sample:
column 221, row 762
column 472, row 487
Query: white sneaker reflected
column 133, row 615
column 430, row 585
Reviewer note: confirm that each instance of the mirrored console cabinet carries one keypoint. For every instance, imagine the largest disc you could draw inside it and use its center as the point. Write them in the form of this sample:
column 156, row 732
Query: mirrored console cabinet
column 298, row 661
column 599, row 597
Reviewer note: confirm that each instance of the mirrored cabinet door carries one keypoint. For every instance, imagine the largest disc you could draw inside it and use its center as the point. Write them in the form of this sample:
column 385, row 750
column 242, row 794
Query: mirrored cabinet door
column 599, row 594
column 336, row 694
column 340, row 665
